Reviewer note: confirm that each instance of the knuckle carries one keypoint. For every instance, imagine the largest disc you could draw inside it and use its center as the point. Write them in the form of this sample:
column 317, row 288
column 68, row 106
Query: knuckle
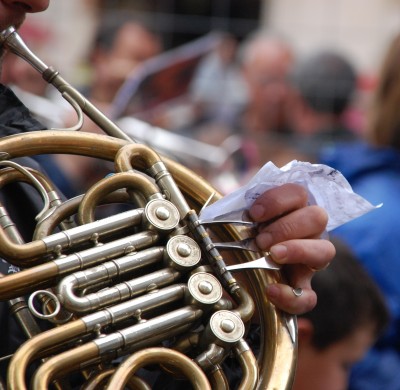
column 310, row 301
column 275, row 204
column 331, row 250
column 319, row 215
column 299, row 191
column 282, row 199
column 298, row 250
column 285, row 231
column 327, row 252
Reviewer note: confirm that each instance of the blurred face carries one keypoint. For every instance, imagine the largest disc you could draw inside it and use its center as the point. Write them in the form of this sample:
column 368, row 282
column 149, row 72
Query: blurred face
column 329, row 369
column 266, row 73
column 132, row 46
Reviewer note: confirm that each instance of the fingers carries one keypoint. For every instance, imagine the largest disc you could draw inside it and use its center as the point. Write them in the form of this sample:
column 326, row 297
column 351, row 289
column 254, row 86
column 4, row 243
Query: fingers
column 282, row 296
column 290, row 231
column 297, row 296
column 301, row 258
column 278, row 201
column 306, row 222
column 315, row 254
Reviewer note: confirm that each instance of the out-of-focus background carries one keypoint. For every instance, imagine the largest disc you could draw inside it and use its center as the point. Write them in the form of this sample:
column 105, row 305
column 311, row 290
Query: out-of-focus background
column 361, row 29
column 237, row 103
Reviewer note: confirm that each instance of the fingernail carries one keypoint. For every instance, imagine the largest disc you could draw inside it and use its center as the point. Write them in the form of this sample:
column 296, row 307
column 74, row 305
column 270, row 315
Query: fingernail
column 257, row 211
column 272, row 291
column 278, row 252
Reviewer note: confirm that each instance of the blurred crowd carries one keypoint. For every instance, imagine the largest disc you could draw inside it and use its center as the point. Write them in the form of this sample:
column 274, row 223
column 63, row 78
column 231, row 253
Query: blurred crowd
column 258, row 101
column 255, row 100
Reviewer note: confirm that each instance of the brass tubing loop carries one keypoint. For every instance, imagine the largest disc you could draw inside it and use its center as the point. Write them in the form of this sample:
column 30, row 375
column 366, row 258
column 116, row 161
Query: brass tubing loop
column 159, row 355
column 130, row 283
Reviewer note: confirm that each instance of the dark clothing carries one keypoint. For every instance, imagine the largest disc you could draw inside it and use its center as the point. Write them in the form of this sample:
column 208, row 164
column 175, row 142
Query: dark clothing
column 15, row 118
column 327, row 138
column 21, row 203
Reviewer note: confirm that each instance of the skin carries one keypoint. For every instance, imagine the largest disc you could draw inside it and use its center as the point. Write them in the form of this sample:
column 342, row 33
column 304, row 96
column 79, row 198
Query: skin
column 18, row 72
column 133, row 45
column 292, row 225
column 13, row 12
column 329, row 369
column 265, row 70
column 293, row 240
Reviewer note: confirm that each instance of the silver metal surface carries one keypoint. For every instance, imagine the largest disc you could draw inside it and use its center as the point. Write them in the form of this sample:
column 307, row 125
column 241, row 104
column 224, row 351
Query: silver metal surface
column 262, row 263
column 183, row 252
column 239, row 217
column 227, row 326
column 17, row 46
column 113, row 249
column 79, row 234
column 205, row 288
column 162, row 214
column 142, row 331
column 69, row 288
column 247, row 244
column 129, row 309
column 51, row 296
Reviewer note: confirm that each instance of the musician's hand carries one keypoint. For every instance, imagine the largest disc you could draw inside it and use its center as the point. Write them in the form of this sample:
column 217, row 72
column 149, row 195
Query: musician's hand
column 291, row 231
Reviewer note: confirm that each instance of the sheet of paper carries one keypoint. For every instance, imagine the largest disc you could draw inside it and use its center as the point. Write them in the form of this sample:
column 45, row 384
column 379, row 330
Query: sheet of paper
column 326, row 186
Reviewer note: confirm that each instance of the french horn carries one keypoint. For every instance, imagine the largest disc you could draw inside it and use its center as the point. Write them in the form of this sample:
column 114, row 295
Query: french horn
column 146, row 289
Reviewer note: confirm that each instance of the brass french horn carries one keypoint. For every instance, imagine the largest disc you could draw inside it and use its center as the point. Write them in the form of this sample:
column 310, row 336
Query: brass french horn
column 145, row 287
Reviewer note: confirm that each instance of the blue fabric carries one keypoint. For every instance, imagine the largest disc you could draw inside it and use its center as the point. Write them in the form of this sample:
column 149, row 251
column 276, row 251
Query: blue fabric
column 378, row 371
column 374, row 173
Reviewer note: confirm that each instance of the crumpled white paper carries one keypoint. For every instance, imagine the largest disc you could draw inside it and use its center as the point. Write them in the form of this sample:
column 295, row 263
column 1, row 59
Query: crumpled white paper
column 326, row 186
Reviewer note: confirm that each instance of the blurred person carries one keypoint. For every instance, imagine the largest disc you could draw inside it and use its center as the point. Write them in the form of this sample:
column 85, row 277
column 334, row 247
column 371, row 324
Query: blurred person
column 260, row 126
column 349, row 316
column 294, row 225
column 266, row 63
column 325, row 83
column 217, row 87
column 116, row 52
column 373, row 169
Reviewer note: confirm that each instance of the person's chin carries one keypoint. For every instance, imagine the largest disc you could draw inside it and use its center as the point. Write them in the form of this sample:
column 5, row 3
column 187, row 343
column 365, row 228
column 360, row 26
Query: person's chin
column 15, row 21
